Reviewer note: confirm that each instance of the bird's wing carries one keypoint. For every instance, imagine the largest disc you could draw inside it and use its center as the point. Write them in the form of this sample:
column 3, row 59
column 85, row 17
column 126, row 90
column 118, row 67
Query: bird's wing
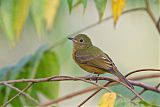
column 95, row 59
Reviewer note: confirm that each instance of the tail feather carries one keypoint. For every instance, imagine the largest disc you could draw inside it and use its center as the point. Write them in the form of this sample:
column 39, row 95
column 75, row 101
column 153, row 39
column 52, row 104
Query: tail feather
column 123, row 79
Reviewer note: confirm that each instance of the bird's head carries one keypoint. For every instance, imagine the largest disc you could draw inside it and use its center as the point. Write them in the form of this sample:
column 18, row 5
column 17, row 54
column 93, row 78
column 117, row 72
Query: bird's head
column 81, row 41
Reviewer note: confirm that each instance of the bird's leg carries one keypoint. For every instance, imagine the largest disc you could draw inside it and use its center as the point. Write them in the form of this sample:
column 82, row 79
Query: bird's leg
column 97, row 78
column 93, row 75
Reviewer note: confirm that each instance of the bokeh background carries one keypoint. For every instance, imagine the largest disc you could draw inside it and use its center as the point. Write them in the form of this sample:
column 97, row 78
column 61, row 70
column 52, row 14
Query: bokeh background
column 133, row 44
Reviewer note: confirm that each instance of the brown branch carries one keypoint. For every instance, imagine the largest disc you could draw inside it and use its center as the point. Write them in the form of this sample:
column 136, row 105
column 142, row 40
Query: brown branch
column 20, row 91
column 88, row 98
column 144, row 91
column 18, row 94
column 156, row 75
column 150, row 13
column 142, row 70
column 71, row 95
column 68, row 78
column 80, row 92
column 158, row 24
column 140, row 93
column 149, row 76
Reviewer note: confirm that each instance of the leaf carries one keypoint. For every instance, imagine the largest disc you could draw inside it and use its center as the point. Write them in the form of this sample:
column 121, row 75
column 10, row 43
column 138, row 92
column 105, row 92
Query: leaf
column 146, row 104
column 48, row 67
column 117, row 7
column 84, row 2
column 50, row 12
column 6, row 17
column 108, row 100
column 43, row 63
column 19, row 15
column 70, row 5
column 37, row 12
column 100, row 6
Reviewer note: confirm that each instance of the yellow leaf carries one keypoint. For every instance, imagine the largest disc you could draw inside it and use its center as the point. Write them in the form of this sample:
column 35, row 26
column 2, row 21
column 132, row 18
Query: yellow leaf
column 117, row 7
column 50, row 12
column 20, row 13
column 108, row 100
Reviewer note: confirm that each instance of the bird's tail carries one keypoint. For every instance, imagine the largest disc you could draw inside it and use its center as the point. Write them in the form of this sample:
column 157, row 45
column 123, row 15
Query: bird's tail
column 123, row 79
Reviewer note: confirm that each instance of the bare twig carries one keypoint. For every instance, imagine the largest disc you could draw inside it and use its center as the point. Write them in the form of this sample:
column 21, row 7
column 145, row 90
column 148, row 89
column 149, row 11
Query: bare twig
column 158, row 24
column 71, row 95
column 144, row 91
column 149, row 76
column 93, row 25
column 142, row 70
column 20, row 91
column 69, row 78
column 88, row 98
column 85, row 91
column 139, row 94
column 150, row 13
column 10, row 100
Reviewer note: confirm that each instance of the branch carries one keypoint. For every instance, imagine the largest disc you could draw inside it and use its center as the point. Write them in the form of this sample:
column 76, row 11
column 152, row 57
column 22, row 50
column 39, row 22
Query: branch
column 20, row 91
column 69, row 78
column 150, row 13
column 142, row 70
column 85, row 79
column 18, row 94
column 93, row 25
column 84, row 91
column 88, row 98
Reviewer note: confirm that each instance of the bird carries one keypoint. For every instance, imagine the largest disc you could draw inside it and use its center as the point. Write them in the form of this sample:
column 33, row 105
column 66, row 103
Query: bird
column 92, row 59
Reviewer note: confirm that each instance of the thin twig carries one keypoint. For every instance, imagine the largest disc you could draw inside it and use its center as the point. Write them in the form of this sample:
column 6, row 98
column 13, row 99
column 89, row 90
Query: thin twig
column 82, row 92
column 69, row 78
column 142, row 70
column 140, row 93
column 150, row 13
column 65, row 78
column 158, row 85
column 93, row 25
column 20, row 91
column 158, row 24
column 10, row 100
column 88, row 98
column 144, row 91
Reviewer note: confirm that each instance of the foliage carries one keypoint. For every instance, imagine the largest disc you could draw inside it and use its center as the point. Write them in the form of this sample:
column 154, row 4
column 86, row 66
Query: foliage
column 108, row 100
column 14, row 13
column 43, row 63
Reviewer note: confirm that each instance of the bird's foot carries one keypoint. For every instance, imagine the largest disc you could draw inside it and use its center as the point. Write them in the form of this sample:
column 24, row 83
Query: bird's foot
column 93, row 75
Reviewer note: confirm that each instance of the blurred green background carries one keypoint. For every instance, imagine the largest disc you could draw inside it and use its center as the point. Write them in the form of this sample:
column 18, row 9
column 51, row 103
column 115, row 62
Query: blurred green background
column 133, row 44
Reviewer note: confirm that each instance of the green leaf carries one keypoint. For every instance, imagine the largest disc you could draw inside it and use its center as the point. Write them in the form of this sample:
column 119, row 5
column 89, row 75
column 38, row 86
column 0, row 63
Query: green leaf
column 70, row 5
column 101, row 6
column 48, row 67
column 37, row 12
column 44, row 63
column 19, row 15
column 84, row 2
column 6, row 17
column 147, row 104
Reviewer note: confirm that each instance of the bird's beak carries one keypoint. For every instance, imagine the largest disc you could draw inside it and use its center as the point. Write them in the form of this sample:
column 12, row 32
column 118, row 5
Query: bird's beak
column 70, row 38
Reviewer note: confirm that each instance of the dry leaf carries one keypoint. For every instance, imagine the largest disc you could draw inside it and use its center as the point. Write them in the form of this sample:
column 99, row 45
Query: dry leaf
column 50, row 12
column 117, row 7
column 108, row 100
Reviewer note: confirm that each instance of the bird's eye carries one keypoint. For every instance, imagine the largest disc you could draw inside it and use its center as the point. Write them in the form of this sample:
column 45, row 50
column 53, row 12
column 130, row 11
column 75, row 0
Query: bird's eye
column 81, row 40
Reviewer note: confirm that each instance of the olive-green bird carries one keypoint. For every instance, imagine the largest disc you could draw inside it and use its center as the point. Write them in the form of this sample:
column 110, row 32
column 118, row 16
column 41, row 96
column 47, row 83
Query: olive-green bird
column 93, row 59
